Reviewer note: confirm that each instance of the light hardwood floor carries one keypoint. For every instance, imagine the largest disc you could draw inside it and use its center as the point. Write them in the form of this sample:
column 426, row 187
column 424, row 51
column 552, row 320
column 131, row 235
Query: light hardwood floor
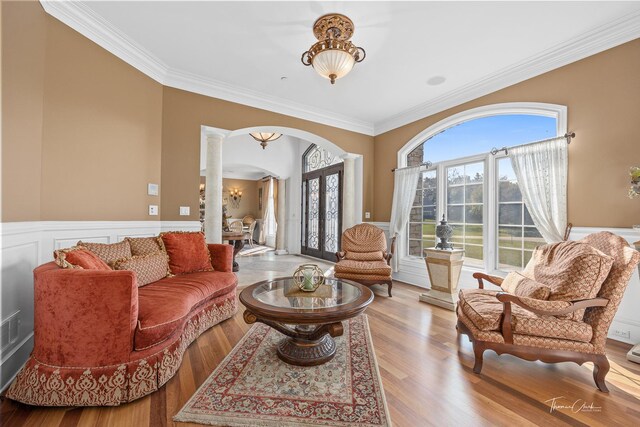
column 427, row 377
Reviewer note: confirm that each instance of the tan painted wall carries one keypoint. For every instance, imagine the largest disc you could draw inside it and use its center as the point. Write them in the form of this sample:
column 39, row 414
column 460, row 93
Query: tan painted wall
column 248, row 203
column 602, row 93
column 82, row 135
column 84, row 132
column 102, row 133
column 185, row 112
column 23, row 67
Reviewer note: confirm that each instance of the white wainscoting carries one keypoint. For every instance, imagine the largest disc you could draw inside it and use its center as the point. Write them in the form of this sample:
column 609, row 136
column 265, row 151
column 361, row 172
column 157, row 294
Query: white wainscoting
column 414, row 271
column 25, row 245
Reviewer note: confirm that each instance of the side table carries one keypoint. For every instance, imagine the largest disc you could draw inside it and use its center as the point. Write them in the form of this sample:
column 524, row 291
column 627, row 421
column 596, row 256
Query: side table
column 444, row 267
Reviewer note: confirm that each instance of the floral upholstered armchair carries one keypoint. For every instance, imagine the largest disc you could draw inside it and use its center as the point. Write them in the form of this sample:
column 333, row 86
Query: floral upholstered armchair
column 558, row 309
column 364, row 257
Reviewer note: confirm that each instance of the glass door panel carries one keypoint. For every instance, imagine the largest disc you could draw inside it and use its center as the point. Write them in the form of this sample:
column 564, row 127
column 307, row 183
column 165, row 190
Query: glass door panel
column 322, row 212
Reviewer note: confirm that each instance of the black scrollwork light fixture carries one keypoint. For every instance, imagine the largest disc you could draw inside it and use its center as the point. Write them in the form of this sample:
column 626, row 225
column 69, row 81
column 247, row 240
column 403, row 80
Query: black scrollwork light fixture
column 333, row 56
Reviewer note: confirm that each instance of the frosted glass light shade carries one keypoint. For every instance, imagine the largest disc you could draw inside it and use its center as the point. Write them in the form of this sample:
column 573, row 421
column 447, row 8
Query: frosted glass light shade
column 265, row 136
column 333, row 64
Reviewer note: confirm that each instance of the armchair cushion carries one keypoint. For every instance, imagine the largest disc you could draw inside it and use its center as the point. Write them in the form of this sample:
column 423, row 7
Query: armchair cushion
column 108, row 252
column 485, row 311
column 358, row 277
column 573, row 271
column 525, row 340
column 377, row 268
column 364, row 238
column 517, row 284
column 188, row 252
column 364, row 256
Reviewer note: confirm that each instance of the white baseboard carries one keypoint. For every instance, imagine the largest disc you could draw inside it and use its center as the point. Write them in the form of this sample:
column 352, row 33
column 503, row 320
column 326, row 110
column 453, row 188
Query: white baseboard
column 25, row 245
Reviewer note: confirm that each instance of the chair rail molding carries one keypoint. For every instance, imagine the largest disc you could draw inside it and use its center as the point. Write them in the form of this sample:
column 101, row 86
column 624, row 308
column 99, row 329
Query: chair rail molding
column 26, row 245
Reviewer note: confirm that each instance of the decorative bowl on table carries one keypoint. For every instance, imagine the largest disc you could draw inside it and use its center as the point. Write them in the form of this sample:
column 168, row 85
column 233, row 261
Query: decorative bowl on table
column 308, row 277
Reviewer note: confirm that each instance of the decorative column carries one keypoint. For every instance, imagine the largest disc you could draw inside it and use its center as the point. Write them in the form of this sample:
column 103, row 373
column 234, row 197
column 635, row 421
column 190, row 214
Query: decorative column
column 349, row 192
column 281, row 219
column 213, row 189
column 444, row 268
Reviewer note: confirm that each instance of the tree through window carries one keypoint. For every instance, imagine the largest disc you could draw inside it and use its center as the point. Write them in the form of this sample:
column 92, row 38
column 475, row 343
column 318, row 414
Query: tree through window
column 476, row 191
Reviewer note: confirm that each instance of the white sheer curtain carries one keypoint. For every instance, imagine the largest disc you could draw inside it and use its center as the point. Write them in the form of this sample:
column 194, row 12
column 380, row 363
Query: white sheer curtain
column 541, row 169
column 404, row 192
column 269, row 219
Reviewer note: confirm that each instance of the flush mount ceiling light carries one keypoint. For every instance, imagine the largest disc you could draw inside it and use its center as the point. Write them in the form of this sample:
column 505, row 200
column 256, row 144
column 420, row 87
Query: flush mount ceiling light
column 265, row 137
column 333, row 56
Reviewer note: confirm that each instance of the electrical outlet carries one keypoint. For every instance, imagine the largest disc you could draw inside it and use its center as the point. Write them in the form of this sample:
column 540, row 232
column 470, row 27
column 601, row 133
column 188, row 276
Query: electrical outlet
column 622, row 333
column 153, row 209
column 185, row 210
column 367, row 215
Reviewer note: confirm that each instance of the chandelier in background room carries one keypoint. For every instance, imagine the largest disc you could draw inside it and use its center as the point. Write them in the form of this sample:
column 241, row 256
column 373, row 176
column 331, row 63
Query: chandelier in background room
column 265, row 137
column 333, row 56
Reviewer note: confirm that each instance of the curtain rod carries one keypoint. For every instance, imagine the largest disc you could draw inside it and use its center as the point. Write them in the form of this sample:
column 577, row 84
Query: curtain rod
column 568, row 136
column 425, row 164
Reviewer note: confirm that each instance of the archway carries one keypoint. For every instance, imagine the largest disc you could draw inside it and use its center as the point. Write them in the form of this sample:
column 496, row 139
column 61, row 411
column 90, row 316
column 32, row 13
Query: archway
column 303, row 139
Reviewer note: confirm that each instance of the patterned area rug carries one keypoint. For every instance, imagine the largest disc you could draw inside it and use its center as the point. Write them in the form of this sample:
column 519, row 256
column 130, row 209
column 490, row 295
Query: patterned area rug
column 252, row 387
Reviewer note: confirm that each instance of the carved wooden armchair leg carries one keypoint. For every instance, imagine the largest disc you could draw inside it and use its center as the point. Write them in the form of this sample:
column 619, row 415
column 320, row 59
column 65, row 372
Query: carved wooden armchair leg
column 600, row 369
column 478, row 351
column 390, row 283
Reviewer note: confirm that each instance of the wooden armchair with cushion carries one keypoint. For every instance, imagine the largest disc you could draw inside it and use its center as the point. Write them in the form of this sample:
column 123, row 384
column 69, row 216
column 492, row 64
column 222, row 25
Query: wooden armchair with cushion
column 364, row 257
column 558, row 309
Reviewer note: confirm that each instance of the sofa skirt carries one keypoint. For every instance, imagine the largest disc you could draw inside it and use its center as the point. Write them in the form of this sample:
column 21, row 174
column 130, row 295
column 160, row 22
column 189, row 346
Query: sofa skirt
column 45, row 385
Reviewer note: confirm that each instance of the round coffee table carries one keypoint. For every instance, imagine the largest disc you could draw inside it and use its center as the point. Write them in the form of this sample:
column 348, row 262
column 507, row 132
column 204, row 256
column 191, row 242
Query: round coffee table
column 310, row 320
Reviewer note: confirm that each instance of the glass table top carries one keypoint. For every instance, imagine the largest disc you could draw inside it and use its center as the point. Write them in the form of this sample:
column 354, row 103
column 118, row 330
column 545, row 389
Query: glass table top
column 285, row 293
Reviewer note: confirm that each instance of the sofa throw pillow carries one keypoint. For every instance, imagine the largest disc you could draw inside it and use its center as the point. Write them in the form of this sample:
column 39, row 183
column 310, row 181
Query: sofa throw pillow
column 108, row 252
column 573, row 271
column 79, row 258
column 148, row 268
column 143, row 245
column 364, row 256
column 188, row 251
column 519, row 285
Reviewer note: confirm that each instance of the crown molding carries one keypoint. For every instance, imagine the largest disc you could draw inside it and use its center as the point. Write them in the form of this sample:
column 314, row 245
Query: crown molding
column 604, row 37
column 91, row 25
column 221, row 90
column 84, row 20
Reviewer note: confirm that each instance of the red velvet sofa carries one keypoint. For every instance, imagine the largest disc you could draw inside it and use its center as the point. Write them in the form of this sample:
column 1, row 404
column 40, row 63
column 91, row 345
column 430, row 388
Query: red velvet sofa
column 101, row 340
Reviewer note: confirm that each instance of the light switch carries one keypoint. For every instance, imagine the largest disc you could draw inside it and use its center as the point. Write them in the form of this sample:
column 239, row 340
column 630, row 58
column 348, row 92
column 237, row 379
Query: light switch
column 185, row 210
column 153, row 209
column 367, row 215
column 152, row 189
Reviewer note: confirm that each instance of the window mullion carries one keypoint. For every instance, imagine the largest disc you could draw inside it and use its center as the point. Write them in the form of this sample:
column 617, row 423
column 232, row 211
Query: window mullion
column 491, row 214
column 441, row 202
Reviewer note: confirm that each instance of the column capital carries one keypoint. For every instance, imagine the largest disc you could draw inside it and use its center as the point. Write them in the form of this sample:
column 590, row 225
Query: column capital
column 215, row 136
column 350, row 156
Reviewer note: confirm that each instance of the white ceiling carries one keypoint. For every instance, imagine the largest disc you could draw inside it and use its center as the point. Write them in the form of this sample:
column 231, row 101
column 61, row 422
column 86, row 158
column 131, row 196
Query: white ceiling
column 240, row 50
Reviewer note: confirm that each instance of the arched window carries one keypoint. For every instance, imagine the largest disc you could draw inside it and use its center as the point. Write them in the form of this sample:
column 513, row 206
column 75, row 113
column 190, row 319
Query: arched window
column 317, row 158
column 477, row 191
